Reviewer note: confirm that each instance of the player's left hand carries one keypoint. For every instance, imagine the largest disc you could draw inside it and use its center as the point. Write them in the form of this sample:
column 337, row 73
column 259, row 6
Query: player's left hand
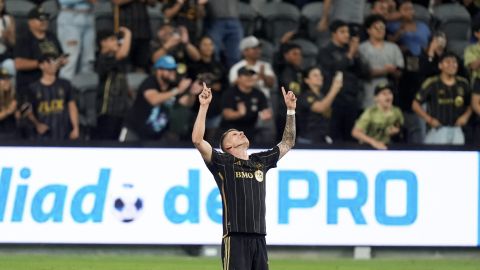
column 290, row 99
column 205, row 96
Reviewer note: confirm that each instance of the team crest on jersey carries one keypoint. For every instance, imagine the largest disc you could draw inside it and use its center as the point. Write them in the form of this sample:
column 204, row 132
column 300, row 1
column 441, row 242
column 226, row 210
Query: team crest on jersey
column 259, row 175
column 459, row 101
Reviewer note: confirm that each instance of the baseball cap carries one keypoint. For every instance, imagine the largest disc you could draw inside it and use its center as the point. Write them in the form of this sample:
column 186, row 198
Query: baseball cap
column 246, row 71
column 165, row 62
column 38, row 13
column 382, row 86
column 249, row 42
column 47, row 56
column 5, row 74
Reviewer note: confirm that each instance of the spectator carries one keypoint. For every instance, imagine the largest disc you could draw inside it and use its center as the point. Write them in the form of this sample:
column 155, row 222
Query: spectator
column 175, row 42
column 412, row 35
column 430, row 55
column 53, row 109
column 243, row 104
column 134, row 16
column 379, row 123
column 148, row 118
column 37, row 41
column 187, row 13
column 76, row 32
column 252, row 51
column 349, row 11
column 212, row 72
column 223, row 25
column 384, row 58
column 472, row 63
column 447, row 99
column 7, row 39
column 113, row 93
column 341, row 54
column 314, row 107
column 290, row 76
column 8, row 106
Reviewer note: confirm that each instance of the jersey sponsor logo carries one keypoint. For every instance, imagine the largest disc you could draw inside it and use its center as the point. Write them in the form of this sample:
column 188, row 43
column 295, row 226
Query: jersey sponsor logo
column 459, row 101
column 51, row 106
column 247, row 175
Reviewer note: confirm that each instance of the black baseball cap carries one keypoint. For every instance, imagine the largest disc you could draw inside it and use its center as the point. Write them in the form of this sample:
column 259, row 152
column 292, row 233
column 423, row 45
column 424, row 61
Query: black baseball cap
column 47, row 56
column 38, row 13
column 382, row 86
column 246, row 71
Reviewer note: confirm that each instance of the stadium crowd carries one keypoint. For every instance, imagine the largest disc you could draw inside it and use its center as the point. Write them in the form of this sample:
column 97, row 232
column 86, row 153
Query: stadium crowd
column 376, row 72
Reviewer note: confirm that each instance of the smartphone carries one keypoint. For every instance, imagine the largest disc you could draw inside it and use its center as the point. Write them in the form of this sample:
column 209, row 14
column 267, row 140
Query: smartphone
column 338, row 76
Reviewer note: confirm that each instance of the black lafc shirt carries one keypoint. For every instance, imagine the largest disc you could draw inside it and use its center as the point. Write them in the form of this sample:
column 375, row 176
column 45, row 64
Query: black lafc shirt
column 242, row 187
column 446, row 103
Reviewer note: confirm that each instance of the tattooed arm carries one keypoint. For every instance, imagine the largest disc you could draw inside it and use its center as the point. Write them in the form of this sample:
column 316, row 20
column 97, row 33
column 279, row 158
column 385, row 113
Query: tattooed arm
column 289, row 133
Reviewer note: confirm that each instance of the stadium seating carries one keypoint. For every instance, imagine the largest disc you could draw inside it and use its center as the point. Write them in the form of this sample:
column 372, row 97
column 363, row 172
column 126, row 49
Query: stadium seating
column 156, row 17
column 422, row 14
column 103, row 16
column 86, row 85
column 279, row 18
column 248, row 18
column 312, row 13
column 457, row 47
column 454, row 21
column 19, row 10
column 268, row 50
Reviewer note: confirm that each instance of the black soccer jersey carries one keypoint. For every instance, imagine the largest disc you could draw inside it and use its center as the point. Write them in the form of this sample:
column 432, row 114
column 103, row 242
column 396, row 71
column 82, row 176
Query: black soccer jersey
column 446, row 103
column 242, row 187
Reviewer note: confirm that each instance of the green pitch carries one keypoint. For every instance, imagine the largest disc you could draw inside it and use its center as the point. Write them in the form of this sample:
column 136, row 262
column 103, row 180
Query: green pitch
column 151, row 262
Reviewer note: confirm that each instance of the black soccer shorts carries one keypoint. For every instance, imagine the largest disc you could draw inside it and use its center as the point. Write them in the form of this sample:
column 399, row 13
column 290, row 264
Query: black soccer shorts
column 244, row 252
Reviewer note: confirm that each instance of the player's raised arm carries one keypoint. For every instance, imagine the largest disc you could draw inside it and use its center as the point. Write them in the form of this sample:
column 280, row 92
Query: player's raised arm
column 198, row 132
column 289, row 133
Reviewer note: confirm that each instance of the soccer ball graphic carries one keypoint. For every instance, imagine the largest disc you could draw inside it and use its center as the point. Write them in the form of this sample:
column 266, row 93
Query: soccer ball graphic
column 127, row 206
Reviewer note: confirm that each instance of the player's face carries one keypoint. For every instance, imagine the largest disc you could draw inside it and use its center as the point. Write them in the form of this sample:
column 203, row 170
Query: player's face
column 236, row 138
column 315, row 78
column 449, row 66
column 384, row 99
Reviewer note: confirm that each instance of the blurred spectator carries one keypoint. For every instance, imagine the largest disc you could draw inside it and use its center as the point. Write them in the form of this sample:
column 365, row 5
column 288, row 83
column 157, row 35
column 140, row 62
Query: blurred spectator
column 224, row 26
column 243, row 104
column 447, row 99
column 35, row 42
column 134, row 16
column 76, row 32
column 148, row 119
column 186, row 13
column 341, row 54
column 380, row 122
column 251, row 50
column 8, row 107
column 384, row 58
column 212, row 72
column 113, row 93
column 291, row 77
column 349, row 11
column 53, row 112
column 430, row 55
column 175, row 41
column 412, row 35
column 472, row 63
column 314, row 107
column 7, row 39
column 379, row 7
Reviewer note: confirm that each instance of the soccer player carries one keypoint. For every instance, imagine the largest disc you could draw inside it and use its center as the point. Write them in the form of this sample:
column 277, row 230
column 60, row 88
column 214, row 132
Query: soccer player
column 241, row 180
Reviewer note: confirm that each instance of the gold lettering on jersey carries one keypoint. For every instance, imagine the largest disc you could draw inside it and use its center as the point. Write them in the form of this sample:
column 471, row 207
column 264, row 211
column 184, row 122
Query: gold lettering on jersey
column 259, row 175
column 445, row 101
column 248, row 175
column 51, row 106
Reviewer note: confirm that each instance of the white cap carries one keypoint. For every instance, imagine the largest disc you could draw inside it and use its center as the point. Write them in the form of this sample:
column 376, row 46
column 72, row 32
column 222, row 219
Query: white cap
column 249, row 42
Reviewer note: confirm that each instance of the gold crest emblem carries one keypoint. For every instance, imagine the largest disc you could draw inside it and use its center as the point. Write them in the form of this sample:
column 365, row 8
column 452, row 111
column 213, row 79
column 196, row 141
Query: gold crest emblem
column 181, row 68
column 459, row 101
column 259, row 175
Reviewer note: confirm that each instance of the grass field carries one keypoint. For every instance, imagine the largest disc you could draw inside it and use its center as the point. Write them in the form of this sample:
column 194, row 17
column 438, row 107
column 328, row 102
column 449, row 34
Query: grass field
column 151, row 262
